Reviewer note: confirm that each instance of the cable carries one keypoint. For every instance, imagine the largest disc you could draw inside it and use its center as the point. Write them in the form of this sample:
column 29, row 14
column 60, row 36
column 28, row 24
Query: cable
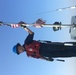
column 60, row 9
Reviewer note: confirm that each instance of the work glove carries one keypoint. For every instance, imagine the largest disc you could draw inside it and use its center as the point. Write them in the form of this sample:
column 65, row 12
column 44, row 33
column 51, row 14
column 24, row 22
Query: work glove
column 1, row 23
column 21, row 24
column 49, row 59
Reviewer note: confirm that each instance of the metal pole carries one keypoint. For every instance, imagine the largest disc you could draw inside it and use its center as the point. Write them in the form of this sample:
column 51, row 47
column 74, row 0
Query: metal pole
column 51, row 25
column 45, row 25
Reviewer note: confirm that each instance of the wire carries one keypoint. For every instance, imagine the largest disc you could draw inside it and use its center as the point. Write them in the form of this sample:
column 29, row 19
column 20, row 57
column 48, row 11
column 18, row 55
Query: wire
column 60, row 9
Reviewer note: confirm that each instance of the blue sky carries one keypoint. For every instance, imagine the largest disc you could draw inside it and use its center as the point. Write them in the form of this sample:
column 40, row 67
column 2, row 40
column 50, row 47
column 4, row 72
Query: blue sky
column 28, row 11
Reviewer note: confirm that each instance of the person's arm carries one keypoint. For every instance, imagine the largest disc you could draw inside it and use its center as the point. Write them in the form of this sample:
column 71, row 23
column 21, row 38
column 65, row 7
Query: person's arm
column 29, row 39
column 28, row 30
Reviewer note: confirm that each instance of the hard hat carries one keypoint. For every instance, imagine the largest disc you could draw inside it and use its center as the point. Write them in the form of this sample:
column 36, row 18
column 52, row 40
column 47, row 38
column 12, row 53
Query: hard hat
column 15, row 48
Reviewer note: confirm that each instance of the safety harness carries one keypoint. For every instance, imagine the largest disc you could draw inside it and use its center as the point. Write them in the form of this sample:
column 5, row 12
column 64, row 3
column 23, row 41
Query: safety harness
column 33, row 49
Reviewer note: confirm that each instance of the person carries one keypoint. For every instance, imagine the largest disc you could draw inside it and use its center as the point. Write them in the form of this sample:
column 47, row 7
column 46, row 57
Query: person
column 46, row 50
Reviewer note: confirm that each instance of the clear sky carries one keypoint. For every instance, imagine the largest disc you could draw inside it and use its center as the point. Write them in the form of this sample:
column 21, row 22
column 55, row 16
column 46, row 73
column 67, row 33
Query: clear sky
column 28, row 11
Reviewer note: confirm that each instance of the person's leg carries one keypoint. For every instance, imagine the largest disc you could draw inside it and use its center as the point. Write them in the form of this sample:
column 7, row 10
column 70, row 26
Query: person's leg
column 58, row 51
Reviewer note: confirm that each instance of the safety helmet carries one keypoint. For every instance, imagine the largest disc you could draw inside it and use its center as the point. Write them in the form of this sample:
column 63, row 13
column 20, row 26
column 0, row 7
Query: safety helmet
column 15, row 48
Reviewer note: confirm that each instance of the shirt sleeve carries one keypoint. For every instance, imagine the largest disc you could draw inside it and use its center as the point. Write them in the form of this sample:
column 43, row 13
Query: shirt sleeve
column 29, row 39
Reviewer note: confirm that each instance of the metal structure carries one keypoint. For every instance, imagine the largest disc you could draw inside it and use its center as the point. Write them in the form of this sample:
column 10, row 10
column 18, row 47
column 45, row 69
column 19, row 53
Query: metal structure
column 43, row 25
column 72, row 30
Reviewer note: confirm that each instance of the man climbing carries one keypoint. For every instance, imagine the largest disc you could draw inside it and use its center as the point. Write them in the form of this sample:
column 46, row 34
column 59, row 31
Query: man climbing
column 46, row 50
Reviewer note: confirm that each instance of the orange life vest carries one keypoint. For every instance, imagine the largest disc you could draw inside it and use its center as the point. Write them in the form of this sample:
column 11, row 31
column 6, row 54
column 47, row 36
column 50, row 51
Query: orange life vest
column 33, row 49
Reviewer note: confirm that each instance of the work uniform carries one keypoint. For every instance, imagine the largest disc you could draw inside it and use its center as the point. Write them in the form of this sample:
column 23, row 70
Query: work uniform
column 52, row 49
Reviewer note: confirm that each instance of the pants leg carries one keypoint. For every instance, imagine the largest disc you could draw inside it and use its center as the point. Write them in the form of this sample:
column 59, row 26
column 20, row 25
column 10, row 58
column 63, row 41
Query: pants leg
column 58, row 50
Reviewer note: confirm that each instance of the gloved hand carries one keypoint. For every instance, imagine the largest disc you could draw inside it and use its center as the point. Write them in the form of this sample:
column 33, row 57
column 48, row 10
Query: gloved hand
column 21, row 22
column 1, row 23
column 49, row 59
column 23, row 26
